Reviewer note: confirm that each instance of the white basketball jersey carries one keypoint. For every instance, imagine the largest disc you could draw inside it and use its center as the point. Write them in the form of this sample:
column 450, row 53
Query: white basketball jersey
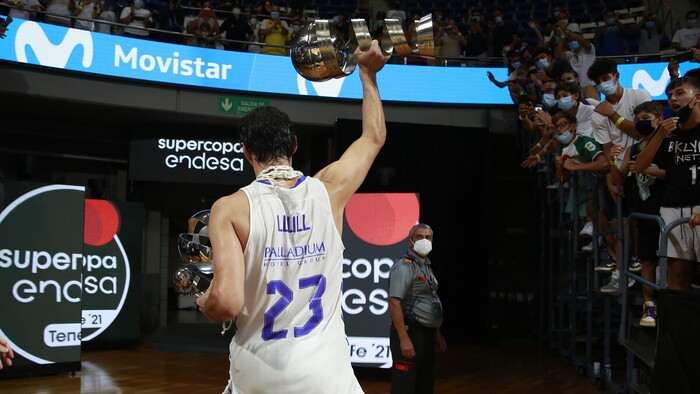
column 291, row 336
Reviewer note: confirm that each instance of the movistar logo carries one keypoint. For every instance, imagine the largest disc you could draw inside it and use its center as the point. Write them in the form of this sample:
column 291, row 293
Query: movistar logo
column 330, row 88
column 47, row 54
column 656, row 87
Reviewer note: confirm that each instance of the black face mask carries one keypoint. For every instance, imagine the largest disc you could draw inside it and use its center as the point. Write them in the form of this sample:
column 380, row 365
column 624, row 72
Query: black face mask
column 644, row 127
column 683, row 113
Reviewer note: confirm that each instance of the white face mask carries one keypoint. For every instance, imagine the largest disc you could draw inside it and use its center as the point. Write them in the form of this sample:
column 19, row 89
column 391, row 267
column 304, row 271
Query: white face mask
column 422, row 247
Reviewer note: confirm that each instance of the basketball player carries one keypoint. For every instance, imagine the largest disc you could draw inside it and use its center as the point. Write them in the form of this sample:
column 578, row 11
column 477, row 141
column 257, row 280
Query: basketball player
column 278, row 259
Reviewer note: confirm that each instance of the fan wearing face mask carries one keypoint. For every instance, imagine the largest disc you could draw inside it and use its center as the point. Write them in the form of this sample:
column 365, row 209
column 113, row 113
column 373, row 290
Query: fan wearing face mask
column 138, row 18
column 276, row 32
column 687, row 36
column 643, row 191
column 416, row 316
column 676, row 148
column 580, row 53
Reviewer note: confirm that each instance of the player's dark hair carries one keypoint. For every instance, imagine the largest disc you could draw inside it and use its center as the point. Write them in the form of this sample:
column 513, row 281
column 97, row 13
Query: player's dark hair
column 601, row 67
column 571, row 87
column 694, row 84
column 267, row 134
column 564, row 114
column 652, row 107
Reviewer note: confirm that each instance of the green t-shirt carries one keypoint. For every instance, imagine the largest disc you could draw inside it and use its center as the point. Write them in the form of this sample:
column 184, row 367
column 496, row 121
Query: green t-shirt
column 583, row 149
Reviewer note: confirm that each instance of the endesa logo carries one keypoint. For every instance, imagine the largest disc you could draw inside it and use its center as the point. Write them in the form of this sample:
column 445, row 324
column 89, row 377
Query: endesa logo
column 64, row 274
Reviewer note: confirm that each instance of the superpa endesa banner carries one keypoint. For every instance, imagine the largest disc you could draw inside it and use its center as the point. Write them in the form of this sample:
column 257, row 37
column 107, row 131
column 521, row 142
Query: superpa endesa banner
column 189, row 160
column 375, row 234
column 63, row 272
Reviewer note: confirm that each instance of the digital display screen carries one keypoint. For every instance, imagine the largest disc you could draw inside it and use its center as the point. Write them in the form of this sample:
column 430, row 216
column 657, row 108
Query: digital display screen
column 116, row 56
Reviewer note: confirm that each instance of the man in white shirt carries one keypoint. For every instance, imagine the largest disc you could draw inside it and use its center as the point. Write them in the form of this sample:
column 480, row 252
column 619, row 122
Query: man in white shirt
column 687, row 37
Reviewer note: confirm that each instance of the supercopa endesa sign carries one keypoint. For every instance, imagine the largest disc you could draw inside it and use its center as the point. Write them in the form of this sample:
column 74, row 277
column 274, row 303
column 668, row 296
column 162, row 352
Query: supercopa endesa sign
column 64, row 274
column 375, row 231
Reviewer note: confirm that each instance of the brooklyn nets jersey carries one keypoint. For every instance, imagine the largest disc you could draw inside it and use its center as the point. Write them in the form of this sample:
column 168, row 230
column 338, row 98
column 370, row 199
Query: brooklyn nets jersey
column 290, row 334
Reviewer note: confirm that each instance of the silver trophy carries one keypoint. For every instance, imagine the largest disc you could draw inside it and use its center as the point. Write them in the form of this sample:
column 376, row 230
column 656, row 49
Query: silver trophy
column 196, row 272
column 319, row 55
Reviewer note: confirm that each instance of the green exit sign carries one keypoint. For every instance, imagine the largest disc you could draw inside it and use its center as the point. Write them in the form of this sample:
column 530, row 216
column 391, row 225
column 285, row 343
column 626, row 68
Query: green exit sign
column 239, row 105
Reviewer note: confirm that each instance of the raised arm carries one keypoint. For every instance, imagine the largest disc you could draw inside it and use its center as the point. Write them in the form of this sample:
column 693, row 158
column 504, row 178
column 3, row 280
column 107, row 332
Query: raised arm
column 344, row 176
column 646, row 156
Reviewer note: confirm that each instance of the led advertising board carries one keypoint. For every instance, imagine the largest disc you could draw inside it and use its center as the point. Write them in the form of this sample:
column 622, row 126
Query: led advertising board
column 375, row 234
column 115, row 56
column 189, row 160
column 65, row 276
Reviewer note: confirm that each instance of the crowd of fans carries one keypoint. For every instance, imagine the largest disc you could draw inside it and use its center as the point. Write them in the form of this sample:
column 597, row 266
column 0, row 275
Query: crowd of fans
column 586, row 124
column 462, row 36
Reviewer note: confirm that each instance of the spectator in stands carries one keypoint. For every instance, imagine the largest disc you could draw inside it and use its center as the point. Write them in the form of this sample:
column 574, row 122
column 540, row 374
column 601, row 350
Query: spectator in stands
column 674, row 148
column 58, row 12
column 171, row 18
column 548, row 66
column 572, row 76
column 397, row 12
column 296, row 27
column 23, row 9
column 236, row 27
column 476, row 43
column 518, row 84
column 502, row 35
column 477, row 16
column 568, row 98
column 538, row 33
column 643, row 192
column 86, row 11
column 206, row 15
column 650, row 30
column 613, row 127
column 264, row 8
column 363, row 11
column 688, row 36
column 255, row 27
column 296, row 8
column 561, row 25
column 340, row 26
column 276, row 32
column 107, row 15
column 377, row 29
column 579, row 153
column 138, row 20
column 673, row 66
column 610, row 36
column 579, row 53
column 205, row 37
column 451, row 41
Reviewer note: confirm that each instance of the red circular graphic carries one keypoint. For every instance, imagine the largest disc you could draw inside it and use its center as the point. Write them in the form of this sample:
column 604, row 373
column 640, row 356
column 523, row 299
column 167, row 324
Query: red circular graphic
column 101, row 222
column 382, row 219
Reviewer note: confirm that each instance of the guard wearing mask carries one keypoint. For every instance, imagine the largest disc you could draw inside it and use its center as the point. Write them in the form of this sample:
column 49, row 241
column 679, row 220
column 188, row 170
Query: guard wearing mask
column 416, row 315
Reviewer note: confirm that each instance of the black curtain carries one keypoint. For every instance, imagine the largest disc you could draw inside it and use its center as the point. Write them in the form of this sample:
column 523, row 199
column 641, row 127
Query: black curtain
column 448, row 167
column 676, row 366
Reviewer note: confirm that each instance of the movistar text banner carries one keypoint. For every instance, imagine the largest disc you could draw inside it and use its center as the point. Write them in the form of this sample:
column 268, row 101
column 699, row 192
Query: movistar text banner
column 103, row 54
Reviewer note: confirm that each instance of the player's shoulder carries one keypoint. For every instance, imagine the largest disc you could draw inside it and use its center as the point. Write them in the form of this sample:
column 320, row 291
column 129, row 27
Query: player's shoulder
column 231, row 202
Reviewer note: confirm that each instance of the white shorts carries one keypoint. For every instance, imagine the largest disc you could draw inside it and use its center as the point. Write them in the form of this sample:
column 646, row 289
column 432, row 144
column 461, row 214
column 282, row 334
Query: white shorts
column 683, row 242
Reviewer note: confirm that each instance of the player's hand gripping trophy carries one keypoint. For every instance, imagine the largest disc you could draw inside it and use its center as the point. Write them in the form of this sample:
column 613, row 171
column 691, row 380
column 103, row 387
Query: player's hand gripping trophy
column 319, row 55
column 196, row 272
